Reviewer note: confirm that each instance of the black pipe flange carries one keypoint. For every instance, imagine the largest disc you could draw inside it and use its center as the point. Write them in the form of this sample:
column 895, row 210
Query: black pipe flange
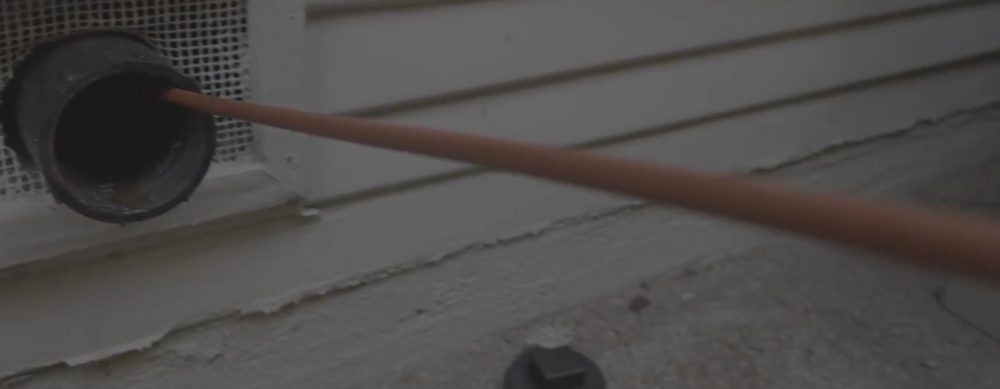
column 84, row 108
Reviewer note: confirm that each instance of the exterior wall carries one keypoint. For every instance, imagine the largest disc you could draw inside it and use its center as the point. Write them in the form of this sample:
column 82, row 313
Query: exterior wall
column 401, row 256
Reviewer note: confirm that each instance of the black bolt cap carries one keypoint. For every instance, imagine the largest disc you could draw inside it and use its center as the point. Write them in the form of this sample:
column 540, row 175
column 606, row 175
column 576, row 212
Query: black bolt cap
column 553, row 368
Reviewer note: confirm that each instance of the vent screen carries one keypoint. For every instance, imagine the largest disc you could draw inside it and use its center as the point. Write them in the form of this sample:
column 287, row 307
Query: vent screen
column 205, row 39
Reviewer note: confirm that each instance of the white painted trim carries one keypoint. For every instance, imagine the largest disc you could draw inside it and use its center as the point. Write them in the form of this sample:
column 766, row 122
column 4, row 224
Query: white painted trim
column 616, row 104
column 99, row 308
column 35, row 229
column 277, row 39
column 369, row 59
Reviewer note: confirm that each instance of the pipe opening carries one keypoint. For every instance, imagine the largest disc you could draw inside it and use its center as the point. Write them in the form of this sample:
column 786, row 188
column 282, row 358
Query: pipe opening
column 85, row 109
column 114, row 132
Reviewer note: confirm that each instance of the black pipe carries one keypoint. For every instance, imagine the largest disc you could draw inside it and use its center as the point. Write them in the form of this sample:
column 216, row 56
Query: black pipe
column 84, row 110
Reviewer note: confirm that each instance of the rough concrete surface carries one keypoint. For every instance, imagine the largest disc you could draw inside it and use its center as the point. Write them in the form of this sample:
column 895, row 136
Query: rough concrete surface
column 791, row 316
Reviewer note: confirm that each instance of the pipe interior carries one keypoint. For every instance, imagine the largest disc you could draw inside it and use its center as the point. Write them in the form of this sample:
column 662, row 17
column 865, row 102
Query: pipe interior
column 114, row 132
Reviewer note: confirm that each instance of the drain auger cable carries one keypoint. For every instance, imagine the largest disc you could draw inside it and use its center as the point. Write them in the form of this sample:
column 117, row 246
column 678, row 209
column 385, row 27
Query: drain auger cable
column 944, row 239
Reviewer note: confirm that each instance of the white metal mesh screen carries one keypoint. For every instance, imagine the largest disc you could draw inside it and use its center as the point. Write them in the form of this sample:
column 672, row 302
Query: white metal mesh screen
column 205, row 39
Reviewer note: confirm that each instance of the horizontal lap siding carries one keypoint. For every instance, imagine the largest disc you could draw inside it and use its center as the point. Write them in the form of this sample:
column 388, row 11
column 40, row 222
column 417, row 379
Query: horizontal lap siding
column 361, row 61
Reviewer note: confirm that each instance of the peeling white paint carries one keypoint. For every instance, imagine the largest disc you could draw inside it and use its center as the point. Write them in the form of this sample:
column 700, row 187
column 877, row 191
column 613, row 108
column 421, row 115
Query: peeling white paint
column 135, row 345
column 550, row 337
column 274, row 304
column 195, row 352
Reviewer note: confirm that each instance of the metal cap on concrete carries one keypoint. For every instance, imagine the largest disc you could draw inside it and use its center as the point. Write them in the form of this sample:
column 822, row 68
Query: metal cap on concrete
column 553, row 368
